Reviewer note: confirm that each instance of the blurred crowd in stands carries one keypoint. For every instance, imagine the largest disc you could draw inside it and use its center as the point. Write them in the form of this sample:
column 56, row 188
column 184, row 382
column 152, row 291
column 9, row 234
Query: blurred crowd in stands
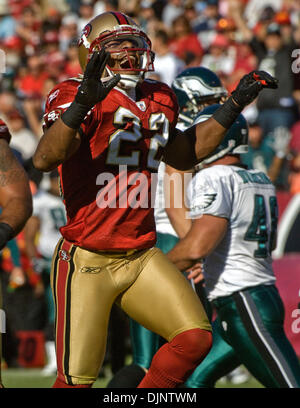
column 38, row 49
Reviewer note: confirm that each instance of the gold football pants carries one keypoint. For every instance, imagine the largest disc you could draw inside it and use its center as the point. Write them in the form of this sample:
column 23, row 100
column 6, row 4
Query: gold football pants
column 85, row 284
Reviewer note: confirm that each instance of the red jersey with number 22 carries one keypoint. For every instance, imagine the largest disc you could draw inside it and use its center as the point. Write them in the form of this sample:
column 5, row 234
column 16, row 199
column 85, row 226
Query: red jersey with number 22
column 106, row 184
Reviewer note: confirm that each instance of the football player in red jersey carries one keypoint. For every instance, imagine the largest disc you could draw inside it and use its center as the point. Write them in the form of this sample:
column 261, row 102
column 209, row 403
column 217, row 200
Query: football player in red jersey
column 15, row 199
column 110, row 129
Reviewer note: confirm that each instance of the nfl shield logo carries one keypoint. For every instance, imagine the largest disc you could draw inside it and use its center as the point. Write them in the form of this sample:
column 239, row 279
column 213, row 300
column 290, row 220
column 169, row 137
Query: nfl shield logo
column 141, row 105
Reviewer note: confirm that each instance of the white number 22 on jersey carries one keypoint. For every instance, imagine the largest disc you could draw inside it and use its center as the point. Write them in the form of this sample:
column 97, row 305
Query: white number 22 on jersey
column 157, row 121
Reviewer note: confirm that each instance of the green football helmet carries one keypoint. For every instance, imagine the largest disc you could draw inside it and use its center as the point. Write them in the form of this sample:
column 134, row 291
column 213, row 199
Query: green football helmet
column 235, row 140
column 195, row 88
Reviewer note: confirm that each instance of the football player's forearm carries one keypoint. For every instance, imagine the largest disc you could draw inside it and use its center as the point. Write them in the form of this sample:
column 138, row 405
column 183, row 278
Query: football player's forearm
column 194, row 144
column 30, row 233
column 275, row 168
column 58, row 143
column 175, row 184
column 204, row 236
column 186, row 252
column 180, row 260
column 15, row 198
column 184, row 264
column 209, row 134
column 15, row 195
column 179, row 257
column 179, row 220
column 31, row 249
column 16, row 213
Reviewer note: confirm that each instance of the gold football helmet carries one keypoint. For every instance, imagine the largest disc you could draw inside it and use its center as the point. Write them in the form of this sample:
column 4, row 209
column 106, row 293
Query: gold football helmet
column 129, row 47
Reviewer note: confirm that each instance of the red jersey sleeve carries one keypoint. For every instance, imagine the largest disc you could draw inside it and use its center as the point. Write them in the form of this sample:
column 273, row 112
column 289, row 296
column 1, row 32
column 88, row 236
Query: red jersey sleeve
column 4, row 132
column 59, row 99
column 174, row 108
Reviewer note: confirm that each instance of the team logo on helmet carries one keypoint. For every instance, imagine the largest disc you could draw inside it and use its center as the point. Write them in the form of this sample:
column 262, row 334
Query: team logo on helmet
column 190, row 84
column 84, row 36
column 194, row 88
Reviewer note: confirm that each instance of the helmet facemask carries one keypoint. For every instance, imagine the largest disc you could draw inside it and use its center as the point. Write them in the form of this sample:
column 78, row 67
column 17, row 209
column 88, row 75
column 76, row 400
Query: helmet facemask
column 130, row 54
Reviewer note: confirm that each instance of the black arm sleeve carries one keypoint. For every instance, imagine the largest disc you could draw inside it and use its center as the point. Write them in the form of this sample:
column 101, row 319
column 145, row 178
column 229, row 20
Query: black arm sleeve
column 180, row 151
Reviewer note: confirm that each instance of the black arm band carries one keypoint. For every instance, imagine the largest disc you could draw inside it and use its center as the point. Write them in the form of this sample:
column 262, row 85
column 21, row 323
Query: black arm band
column 6, row 233
column 74, row 115
column 227, row 113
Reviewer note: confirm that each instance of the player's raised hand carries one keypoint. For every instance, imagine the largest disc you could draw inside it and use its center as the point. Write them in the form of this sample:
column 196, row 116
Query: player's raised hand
column 250, row 85
column 92, row 90
column 247, row 90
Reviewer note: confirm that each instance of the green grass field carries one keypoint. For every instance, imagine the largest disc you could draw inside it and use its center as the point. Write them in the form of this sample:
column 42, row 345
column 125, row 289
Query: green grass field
column 33, row 378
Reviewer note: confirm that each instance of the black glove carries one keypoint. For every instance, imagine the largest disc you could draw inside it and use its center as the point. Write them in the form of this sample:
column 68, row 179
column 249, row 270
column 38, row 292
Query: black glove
column 6, row 233
column 250, row 86
column 247, row 90
column 91, row 91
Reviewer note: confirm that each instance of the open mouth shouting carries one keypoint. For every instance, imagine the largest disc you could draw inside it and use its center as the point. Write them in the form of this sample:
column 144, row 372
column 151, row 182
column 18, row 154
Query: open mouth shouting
column 129, row 62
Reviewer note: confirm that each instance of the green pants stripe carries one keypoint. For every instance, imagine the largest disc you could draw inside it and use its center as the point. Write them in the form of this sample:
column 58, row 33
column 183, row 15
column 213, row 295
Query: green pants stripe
column 267, row 347
column 251, row 324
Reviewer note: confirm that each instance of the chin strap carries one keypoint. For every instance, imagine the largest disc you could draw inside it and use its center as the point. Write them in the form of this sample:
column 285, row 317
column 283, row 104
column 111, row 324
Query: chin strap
column 129, row 81
column 126, row 82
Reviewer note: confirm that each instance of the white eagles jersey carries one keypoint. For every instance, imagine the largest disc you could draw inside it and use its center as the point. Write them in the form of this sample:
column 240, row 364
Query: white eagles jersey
column 51, row 212
column 247, row 199
column 163, row 224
